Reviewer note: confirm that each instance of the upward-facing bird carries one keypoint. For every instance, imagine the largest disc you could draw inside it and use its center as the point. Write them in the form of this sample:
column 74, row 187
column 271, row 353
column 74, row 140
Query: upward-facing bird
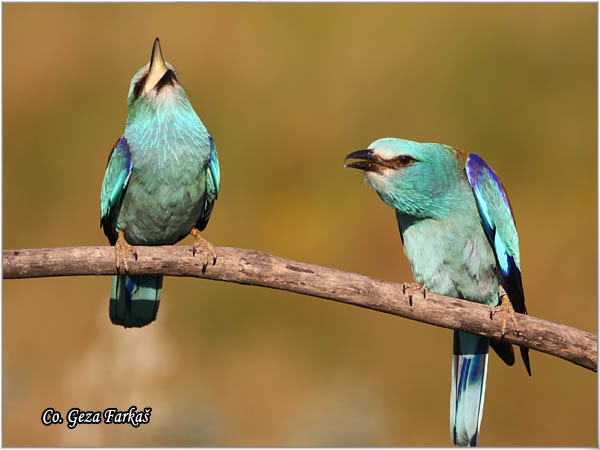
column 160, row 185
column 459, row 235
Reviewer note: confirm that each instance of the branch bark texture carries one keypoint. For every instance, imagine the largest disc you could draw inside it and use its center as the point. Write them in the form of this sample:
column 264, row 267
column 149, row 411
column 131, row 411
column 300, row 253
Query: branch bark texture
column 258, row 268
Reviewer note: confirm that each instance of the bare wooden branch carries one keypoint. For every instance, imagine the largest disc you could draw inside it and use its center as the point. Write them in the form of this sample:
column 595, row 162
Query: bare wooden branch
column 258, row 268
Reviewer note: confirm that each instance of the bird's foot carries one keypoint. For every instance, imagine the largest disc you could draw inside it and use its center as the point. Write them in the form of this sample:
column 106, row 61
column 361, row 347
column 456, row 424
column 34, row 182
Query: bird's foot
column 203, row 246
column 507, row 309
column 121, row 249
column 413, row 290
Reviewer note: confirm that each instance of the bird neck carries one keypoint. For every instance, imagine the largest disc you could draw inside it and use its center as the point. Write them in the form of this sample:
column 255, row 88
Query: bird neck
column 456, row 203
column 151, row 123
column 166, row 105
column 412, row 207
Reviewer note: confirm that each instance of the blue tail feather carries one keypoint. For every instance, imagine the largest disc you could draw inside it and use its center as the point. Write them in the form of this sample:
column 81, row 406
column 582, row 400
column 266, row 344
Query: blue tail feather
column 134, row 299
column 469, row 372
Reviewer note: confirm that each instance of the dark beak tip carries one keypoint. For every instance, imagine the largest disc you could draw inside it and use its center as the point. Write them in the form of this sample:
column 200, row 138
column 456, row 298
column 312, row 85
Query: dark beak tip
column 368, row 161
column 366, row 154
column 156, row 50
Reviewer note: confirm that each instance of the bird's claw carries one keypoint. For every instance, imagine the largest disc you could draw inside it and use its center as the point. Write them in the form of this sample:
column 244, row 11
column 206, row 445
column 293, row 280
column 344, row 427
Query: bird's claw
column 413, row 289
column 121, row 249
column 201, row 245
column 507, row 309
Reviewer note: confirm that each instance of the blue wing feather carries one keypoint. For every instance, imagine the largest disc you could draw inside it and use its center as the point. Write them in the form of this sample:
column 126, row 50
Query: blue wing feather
column 499, row 225
column 213, row 179
column 213, row 169
column 116, row 177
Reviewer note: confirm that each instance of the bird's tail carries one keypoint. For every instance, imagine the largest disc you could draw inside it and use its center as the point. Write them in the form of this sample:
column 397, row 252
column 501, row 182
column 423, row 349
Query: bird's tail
column 469, row 371
column 134, row 299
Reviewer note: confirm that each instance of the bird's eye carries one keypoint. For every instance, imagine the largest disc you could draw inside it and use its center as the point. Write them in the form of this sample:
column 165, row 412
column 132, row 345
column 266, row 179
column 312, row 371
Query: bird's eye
column 404, row 160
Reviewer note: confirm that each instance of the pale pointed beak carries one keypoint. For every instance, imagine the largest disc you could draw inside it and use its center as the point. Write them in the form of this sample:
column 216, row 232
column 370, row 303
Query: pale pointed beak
column 157, row 67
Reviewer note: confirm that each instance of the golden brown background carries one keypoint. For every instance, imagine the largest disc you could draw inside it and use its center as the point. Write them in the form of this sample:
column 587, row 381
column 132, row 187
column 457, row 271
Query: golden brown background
column 287, row 91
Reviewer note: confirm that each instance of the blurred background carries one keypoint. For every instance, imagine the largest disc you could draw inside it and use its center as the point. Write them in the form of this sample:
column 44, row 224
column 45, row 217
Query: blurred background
column 287, row 90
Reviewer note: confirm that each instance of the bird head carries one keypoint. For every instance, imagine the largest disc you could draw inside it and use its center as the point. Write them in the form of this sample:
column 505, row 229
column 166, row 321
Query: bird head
column 417, row 179
column 156, row 82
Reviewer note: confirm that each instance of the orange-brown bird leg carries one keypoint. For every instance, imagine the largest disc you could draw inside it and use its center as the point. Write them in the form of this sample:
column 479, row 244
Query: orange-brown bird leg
column 507, row 309
column 121, row 248
column 203, row 246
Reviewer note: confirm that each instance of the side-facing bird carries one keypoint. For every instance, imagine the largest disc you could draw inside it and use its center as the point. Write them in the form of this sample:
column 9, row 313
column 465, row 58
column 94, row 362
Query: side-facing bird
column 160, row 184
column 459, row 235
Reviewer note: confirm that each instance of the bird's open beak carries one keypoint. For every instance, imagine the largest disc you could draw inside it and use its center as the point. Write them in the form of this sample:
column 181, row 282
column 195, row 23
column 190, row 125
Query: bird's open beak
column 157, row 67
column 368, row 161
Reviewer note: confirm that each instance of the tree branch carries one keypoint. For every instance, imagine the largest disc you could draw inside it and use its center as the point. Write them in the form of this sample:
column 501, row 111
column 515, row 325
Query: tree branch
column 257, row 268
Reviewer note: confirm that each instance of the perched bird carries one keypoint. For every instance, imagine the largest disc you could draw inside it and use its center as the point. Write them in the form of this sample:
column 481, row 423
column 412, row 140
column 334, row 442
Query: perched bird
column 460, row 237
column 161, row 182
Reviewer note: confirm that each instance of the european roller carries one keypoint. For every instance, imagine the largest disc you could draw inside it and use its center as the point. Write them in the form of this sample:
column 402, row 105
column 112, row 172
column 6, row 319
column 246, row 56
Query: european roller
column 161, row 183
column 459, row 235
